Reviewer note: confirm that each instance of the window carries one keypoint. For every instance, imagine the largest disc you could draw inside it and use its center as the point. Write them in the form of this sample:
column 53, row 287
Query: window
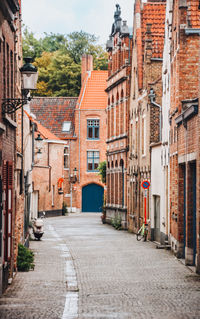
column 92, row 160
column 93, row 129
column 66, row 157
column 66, row 126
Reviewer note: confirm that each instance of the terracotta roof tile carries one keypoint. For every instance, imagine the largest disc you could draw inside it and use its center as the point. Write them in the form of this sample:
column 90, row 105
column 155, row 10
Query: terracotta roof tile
column 45, row 133
column 93, row 95
column 193, row 14
column 154, row 13
column 52, row 112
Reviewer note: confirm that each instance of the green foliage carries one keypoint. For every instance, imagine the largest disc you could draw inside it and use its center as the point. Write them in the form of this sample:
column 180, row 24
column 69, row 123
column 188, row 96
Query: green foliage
column 58, row 59
column 117, row 222
column 25, row 259
column 102, row 171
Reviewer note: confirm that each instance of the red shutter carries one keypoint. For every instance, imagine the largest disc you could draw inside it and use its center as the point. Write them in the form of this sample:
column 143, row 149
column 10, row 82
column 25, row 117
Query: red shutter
column 5, row 219
column 10, row 207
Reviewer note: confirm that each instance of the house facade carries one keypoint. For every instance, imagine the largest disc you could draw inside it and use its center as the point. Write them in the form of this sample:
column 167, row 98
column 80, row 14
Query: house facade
column 184, row 132
column 57, row 115
column 119, row 48
column 90, row 129
column 10, row 87
column 145, row 112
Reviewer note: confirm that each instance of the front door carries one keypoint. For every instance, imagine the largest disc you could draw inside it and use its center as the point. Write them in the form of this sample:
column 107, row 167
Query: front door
column 92, row 198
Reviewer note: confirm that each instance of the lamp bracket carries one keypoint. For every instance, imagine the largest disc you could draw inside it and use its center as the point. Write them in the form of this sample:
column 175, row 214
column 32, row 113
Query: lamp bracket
column 9, row 106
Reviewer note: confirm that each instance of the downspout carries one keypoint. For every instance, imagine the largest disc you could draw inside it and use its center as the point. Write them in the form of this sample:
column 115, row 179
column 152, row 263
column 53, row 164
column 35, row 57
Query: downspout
column 48, row 160
column 79, row 124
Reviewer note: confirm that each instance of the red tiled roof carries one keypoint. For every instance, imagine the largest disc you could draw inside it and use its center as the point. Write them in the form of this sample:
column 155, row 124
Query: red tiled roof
column 44, row 132
column 193, row 14
column 52, row 112
column 93, row 95
column 154, row 13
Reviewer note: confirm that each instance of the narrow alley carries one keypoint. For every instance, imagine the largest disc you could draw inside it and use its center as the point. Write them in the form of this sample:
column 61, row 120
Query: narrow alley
column 84, row 269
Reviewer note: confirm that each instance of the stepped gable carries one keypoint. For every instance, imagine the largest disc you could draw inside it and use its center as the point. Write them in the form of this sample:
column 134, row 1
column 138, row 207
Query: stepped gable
column 51, row 112
column 154, row 14
column 93, row 95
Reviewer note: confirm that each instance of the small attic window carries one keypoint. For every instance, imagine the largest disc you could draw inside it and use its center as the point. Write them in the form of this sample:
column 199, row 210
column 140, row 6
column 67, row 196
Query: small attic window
column 66, row 126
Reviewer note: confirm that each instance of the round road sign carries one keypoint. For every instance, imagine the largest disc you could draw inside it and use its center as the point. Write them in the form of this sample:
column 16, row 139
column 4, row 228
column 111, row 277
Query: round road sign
column 145, row 184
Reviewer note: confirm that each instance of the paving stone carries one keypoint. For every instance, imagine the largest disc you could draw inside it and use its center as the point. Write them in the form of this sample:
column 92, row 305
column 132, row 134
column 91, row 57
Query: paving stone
column 117, row 276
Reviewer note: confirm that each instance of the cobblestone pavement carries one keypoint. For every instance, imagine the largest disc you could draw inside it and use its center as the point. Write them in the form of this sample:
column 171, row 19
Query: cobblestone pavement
column 88, row 270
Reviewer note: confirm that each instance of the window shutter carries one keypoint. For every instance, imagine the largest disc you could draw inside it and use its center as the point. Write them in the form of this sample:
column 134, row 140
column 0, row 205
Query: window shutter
column 4, row 201
column 10, row 206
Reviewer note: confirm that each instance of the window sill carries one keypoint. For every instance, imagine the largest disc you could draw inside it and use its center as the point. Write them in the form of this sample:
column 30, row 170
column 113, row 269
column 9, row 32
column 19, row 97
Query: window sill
column 96, row 171
column 92, row 139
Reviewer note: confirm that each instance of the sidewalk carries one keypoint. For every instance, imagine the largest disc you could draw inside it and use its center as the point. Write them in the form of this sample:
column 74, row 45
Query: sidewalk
column 40, row 293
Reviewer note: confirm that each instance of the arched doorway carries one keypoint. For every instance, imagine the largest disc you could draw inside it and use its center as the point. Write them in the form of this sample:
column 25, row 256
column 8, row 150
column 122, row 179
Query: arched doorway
column 92, row 198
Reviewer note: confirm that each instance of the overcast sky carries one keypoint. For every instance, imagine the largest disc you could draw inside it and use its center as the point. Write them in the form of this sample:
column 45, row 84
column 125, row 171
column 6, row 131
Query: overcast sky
column 65, row 16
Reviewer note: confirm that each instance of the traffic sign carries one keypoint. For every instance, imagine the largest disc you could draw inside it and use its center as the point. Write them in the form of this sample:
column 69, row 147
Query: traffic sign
column 145, row 184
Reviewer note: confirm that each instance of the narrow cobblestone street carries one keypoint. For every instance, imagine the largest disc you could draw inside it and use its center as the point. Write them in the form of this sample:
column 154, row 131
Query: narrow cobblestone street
column 84, row 269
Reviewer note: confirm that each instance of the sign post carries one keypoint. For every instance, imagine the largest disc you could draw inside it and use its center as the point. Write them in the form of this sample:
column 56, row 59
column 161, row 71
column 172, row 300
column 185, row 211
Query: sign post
column 145, row 185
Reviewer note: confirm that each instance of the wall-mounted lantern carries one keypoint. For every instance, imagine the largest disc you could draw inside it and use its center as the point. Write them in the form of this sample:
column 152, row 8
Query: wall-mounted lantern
column 29, row 76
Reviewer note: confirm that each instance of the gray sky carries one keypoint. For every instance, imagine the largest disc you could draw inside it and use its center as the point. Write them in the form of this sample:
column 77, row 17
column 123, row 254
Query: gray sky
column 65, row 16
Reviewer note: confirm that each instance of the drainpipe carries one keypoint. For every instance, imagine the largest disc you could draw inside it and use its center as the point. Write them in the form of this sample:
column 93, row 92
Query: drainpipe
column 79, row 119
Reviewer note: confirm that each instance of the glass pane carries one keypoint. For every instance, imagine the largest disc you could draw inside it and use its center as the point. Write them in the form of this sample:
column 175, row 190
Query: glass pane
column 96, row 132
column 9, row 246
column 66, row 161
column 96, row 165
column 90, row 154
column 66, row 126
column 9, row 198
column 9, row 223
column 96, row 154
column 89, row 166
column 90, row 132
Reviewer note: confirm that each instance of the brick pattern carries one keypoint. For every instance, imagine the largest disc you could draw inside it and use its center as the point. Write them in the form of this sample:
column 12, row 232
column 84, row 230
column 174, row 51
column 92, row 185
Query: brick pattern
column 184, row 139
column 144, row 125
column 10, row 61
column 118, row 90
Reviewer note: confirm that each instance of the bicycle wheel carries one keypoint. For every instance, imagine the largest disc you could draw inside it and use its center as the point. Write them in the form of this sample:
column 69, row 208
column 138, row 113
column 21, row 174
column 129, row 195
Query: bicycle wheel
column 139, row 235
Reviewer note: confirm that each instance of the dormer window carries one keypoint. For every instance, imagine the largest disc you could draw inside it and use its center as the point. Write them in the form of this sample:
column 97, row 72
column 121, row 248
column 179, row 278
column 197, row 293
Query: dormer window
column 66, row 127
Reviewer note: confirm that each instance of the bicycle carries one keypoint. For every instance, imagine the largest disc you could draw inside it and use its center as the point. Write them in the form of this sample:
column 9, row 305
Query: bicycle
column 142, row 232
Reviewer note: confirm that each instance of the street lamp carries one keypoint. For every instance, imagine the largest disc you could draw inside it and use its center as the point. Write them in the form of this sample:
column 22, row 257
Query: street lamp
column 39, row 141
column 29, row 76
column 73, row 180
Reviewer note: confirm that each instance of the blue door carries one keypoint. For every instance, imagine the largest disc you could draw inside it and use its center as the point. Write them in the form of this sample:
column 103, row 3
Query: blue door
column 92, row 198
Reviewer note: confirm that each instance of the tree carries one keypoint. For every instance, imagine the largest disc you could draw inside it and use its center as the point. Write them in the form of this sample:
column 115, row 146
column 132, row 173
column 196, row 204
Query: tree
column 58, row 75
column 58, row 59
column 102, row 171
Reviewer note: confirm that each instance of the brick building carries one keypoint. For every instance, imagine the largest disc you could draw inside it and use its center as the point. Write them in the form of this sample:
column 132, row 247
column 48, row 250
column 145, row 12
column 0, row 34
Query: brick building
column 47, row 171
column 184, row 132
column 10, row 87
column 145, row 103
column 90, row 129
column 81, row 123
column 119, row 47
column 58, row 116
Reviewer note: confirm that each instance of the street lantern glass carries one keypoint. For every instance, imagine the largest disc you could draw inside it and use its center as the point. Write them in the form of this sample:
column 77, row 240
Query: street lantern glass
column 29, row 75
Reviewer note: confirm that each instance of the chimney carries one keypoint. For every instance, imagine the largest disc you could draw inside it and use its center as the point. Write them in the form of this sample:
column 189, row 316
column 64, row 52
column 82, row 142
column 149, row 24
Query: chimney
column 86, row 65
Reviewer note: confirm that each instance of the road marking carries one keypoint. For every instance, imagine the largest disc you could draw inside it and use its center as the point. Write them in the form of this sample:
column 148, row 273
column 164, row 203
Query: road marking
column 71, row 301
